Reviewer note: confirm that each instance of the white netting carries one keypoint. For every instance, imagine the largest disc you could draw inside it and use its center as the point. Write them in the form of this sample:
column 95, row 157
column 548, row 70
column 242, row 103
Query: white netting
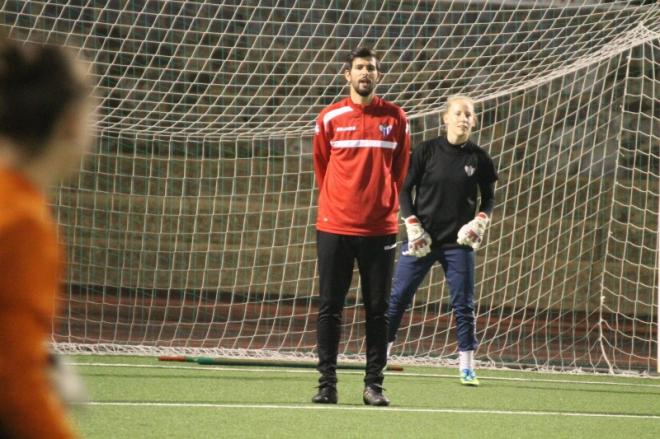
column 191, row 228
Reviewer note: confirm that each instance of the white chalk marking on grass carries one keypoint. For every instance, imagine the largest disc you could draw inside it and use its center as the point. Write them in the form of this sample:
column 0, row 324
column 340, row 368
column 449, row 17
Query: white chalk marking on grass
column 360, row 408
column 358, row 372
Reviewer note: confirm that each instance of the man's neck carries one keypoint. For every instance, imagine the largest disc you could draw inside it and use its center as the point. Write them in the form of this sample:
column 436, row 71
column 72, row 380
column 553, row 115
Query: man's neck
column 358, row 99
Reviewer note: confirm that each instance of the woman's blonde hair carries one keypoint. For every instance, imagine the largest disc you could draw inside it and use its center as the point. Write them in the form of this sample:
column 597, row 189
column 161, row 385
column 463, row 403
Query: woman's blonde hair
column 453, row 98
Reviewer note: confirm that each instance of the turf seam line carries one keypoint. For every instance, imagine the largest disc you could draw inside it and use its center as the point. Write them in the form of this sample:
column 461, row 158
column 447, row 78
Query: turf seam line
column 397, row 374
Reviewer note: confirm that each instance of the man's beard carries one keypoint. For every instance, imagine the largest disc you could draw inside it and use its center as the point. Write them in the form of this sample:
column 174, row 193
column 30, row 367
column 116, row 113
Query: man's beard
column 364, row 92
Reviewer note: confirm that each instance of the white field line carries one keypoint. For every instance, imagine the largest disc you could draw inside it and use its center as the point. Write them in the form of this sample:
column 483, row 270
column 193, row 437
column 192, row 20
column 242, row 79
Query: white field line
column 470, row 412
column 358, row 372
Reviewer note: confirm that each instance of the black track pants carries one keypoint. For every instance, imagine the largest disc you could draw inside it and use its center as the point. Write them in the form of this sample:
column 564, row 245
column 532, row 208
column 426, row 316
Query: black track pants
column 375, row 259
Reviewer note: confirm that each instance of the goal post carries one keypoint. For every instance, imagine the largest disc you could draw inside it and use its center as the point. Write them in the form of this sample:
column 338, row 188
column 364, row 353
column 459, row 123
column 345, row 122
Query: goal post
column 190, row 230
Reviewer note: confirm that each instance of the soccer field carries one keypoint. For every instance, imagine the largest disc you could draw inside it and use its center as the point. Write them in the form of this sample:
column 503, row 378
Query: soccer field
column 191, row 227
column 138, row 397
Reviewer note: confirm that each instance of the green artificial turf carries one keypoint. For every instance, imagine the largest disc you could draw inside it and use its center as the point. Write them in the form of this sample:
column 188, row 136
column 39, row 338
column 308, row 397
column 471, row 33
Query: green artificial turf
column 139, row 397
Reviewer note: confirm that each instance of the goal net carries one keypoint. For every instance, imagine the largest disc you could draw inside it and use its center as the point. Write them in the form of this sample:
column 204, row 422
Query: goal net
column 190, row 229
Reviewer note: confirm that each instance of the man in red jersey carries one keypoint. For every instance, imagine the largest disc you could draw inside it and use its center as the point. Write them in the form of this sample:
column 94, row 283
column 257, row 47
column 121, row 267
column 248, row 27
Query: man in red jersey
column 361, row 153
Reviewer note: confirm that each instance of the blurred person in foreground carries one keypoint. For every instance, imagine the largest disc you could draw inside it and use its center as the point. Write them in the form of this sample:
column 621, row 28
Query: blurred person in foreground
column 45, row 115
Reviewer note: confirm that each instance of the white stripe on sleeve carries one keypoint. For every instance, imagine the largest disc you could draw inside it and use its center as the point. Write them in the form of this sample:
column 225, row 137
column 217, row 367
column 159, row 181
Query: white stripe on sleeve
column 334, row 113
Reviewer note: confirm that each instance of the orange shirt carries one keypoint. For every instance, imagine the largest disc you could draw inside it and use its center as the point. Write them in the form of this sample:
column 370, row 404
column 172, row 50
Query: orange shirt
column 29, row 284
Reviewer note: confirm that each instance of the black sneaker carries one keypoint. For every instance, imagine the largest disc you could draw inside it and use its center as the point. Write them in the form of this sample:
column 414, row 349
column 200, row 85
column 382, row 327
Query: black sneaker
column 327, row 394
column 373, row 395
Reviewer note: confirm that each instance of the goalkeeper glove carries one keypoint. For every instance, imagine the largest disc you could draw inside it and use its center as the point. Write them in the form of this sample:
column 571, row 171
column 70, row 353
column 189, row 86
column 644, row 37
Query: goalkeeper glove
column 472, row 233
column 419, row 242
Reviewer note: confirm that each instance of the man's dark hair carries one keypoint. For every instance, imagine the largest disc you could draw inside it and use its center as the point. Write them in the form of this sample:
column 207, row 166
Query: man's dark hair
column 37, row 84
column 361, row 52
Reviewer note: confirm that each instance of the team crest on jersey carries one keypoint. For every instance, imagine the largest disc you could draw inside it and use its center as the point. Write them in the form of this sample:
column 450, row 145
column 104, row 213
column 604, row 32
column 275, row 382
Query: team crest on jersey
column 385, row 130
column 469, row 170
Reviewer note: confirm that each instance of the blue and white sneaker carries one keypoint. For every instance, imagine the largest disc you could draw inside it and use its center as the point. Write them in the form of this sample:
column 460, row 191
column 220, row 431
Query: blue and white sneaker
column 468, row 378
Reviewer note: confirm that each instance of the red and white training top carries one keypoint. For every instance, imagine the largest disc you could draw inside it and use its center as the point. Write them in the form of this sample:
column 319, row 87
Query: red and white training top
column 361, row 156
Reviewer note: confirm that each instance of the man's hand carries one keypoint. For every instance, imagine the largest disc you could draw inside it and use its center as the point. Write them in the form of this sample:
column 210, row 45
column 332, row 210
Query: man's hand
column 472, row 233
column 419, row 242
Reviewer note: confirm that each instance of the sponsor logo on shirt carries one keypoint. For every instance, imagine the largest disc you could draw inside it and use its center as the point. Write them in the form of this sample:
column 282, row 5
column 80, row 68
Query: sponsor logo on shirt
column 344, row 129
column 469, row 170
column 385, row 129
